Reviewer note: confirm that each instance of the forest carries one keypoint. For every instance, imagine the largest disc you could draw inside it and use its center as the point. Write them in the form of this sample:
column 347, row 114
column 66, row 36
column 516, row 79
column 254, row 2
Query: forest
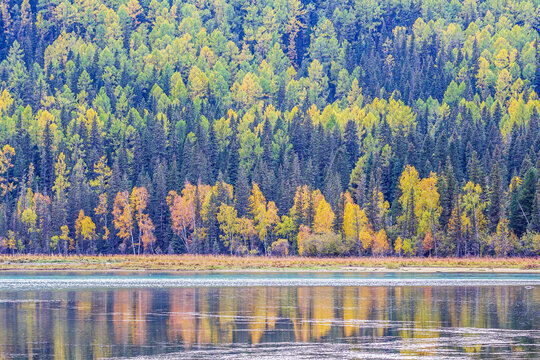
column 270, row 127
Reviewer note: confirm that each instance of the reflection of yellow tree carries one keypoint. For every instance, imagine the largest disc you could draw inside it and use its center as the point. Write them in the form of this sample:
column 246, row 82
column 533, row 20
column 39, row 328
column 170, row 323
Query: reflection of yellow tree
column 302, row 324
column 101, row 344
column 258, row 323
column 380, row 294
column 29, row 308
column 205, row 327
column 364, row 303
column 426, row 323
column 143, row 304
column 323, row 311
column 273, row 307
column 227, row 313
column 83, row 304
column 405, row 316
column 182, row 322
column 350, row 311
column 59, row 334
column 469, row 318
column 121, row 316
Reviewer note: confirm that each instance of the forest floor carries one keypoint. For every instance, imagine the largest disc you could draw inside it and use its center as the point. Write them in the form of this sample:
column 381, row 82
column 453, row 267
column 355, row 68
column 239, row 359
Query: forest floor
column 264, row 263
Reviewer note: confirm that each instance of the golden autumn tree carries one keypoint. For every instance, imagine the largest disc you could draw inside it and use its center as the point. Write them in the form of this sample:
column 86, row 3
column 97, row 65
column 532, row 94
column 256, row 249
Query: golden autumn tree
column 428, row 210
column 139, row 201
column 303, row 234
column 358, row 233
column 60, row 188
column 409, row 185
column 428, row 244
column 247, row 233
column 123, row 219
column 473, row 209
column 228, row 219
column 398, row 246
column 198, row 83
column 302, row 210
column 134, row 10
column 182, row 211
column 182, row 208
column 6, row 154
column 294, row 24
column 265, row 215
column 380, row 243
column 68, row 243
column 324, row 218
column 85, row 231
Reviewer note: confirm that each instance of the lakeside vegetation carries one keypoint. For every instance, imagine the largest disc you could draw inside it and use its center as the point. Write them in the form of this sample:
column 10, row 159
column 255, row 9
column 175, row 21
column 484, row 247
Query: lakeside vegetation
column 224, row 262
column 270, row 127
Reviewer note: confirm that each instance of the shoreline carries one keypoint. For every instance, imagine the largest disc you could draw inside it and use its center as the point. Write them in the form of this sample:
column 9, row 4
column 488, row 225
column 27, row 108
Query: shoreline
column 423, row 270
column 209, row 263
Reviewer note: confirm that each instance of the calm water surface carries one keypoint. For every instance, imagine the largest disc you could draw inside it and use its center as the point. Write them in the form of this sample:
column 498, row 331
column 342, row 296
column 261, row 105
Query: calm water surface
column 282, row 315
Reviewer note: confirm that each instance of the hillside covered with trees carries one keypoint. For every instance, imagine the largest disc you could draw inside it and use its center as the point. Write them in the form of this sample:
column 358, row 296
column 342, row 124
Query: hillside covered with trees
column 344, row 127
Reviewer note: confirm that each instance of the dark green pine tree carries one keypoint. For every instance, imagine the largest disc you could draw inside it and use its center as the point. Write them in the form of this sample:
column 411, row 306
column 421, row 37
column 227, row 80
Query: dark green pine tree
column 521, row 206
column 211, row 224
column 47, row 159
column 339, row 212
column 158, row 207
column 535, row 221
column 267, row 143
column 212, row 155
column 332, row 189
column 94, row 148
column 173, row 176
column 495, row 198
column 158, row 141
column 233, row 161
column 475, row 171
column 448, row 188
column 242, row 192
column 350, row 138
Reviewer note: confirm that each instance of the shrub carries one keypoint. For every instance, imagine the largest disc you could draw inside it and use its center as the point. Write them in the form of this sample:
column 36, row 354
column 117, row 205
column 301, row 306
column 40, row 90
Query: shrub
column 324, row 245
column 280, row 247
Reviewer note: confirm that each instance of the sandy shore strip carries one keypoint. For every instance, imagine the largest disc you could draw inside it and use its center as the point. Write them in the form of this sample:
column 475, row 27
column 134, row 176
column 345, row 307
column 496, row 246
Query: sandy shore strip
column 174, row 263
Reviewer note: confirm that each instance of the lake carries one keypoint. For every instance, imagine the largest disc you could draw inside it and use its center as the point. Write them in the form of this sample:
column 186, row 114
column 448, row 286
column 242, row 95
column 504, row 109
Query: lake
column 303, row 315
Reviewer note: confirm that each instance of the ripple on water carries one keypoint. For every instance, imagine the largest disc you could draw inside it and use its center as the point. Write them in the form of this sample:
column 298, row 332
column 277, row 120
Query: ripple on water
column 173, row 282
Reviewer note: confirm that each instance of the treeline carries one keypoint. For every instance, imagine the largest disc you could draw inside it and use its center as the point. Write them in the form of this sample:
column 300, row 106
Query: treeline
column 366, row 127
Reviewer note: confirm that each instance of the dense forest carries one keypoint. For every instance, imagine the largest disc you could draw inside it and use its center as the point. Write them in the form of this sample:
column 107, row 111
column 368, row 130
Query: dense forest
column 344, row 127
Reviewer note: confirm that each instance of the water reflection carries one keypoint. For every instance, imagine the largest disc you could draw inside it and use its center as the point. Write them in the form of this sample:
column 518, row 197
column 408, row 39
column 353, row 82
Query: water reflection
column 415, row 321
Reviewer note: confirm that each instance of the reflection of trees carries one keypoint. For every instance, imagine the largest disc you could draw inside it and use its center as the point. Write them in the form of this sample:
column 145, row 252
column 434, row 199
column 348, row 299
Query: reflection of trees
column 322, row 311
column 143, row 306
column 257, row 324
column 227, row 314
column 182, row 323
column 205, row 329
column 301, row 321
column 122, row 304
column 126, row 322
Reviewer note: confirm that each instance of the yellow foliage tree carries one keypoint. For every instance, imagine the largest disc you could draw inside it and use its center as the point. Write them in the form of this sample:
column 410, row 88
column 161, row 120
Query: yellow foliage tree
column 264, row 215
column 6, row 153
column 380, row 243
column 358, row 233
column 85, row 231
column 139, row 201
column 324, row 218
column 228, row 219
column 123, row 218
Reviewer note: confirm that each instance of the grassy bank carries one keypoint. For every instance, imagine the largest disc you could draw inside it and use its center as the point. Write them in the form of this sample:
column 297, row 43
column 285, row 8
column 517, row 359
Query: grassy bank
column 207, row 262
